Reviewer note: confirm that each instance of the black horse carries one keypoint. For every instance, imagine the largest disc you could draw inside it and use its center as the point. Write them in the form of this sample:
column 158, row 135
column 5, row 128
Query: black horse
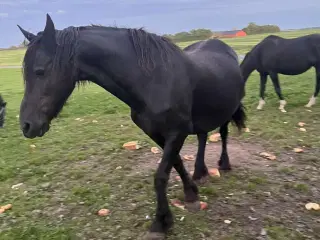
column 274, row 55
column 3, row 105
column 171, row 93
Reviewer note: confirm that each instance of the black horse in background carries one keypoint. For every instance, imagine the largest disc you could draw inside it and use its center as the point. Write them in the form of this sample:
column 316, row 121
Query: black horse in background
column 274, row 55
column 171, row 93
column 3, row 105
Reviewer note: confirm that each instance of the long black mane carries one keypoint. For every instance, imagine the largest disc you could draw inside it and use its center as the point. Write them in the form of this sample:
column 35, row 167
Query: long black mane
column 148, row 47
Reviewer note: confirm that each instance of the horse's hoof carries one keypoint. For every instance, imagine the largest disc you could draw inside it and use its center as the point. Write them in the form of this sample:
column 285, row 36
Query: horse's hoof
column 225, row 168
column 154, row 236
column 193, row 206
column 202, row 180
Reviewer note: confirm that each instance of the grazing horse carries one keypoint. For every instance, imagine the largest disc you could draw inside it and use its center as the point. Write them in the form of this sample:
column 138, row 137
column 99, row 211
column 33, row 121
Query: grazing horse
column 171, row 93
column 3, row 105
column 274, row 55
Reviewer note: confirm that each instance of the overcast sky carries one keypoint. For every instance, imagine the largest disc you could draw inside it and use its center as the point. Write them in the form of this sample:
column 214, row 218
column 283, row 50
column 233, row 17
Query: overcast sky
column 159, row 16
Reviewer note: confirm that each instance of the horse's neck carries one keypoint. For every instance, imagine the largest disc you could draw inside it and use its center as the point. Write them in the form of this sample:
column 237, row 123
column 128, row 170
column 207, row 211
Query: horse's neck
column 111, row 61
column 247, row 67
column 112, row 86
column 97, row 64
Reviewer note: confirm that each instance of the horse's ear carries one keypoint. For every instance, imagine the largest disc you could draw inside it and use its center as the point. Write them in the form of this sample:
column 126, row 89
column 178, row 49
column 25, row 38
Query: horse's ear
column 30, row 36
column 48, row 38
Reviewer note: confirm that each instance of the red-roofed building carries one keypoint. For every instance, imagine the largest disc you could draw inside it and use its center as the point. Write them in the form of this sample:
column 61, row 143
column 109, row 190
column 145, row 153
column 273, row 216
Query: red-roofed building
column 230, row 34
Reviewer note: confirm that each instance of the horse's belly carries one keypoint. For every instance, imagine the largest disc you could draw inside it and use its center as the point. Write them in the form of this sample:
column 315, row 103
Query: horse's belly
column 293, row 70
column 212, row 110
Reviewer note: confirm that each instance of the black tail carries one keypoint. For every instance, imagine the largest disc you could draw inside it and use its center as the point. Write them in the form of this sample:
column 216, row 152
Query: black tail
column 239, row 118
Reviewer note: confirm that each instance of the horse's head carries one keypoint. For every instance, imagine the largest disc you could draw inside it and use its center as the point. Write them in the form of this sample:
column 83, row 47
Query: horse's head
column 49, row 79
column 3, row 105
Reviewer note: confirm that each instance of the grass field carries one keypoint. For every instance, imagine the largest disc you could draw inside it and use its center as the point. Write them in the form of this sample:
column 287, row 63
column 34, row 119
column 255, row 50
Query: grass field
column 11, row 57
column 80, row 167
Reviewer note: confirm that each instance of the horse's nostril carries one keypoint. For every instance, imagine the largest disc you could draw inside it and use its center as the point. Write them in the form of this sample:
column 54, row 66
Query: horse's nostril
column 26, row 127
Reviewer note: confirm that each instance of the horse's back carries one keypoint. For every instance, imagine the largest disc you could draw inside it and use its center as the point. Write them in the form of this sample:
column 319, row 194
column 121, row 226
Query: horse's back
column 287, row 56
column 215, row 47
column 220, row 87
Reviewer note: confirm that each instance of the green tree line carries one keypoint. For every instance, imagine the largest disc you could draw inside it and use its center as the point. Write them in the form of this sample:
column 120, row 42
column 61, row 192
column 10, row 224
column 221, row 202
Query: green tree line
column 195, row 34
column 253, row 28
column 202, row 34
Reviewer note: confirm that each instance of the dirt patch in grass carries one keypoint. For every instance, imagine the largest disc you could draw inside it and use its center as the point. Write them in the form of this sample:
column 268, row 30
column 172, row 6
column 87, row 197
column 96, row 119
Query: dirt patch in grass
column 241, row 154
column 263, row 199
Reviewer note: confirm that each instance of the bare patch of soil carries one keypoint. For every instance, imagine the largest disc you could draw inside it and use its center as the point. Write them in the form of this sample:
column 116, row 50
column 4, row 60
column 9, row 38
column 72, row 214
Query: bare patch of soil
column 240, row 155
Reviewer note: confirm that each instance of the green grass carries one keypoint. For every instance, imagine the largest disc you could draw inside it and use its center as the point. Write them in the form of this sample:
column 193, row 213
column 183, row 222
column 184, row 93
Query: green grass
column 73, row 171
column 11, row 57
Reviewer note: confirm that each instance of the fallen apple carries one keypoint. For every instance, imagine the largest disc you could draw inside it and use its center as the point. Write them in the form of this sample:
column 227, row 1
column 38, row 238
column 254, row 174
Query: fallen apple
column 155, row 150
column 312, row 206
column 214, row 172
column 298, row 150
column 103, row 212
column 268, row 156
column 215, row 137
column 188, row 158
column 133, row 145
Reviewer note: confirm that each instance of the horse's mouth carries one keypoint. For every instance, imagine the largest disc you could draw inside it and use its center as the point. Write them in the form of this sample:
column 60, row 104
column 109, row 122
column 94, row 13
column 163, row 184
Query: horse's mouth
column 33, row 133
column 45, row 128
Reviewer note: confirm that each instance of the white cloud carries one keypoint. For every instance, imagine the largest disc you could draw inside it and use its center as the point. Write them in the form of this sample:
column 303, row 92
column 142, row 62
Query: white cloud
column 17, row 2
column 4, row 15
column 8, row 3
column 61, row 12
column 29, row 11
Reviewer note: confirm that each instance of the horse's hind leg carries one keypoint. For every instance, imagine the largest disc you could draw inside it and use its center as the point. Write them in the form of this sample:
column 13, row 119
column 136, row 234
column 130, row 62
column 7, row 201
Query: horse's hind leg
column 263, row 81
column 201, row 174
column 312, row 100
column 224, row 163
column 277, row 88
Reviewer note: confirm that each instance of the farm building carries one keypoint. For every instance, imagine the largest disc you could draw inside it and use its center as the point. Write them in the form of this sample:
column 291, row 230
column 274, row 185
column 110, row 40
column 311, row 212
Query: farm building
column 230, row 34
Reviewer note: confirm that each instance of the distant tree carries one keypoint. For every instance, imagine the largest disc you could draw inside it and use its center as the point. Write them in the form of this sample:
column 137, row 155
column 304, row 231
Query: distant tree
column 253, row 28
column 25, row 42
column 192, row 35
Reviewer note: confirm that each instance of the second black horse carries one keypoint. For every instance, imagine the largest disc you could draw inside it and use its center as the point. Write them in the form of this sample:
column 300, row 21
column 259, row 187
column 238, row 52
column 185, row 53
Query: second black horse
column 274, row 55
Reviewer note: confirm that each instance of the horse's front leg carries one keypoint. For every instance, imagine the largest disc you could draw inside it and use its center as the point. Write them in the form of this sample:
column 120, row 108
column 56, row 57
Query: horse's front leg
column 313, row 98
column 263, row 82
column 163, row 219
column 277, row 88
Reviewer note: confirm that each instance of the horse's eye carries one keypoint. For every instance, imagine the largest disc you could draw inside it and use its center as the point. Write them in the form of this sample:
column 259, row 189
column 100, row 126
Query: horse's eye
column 39, row 72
